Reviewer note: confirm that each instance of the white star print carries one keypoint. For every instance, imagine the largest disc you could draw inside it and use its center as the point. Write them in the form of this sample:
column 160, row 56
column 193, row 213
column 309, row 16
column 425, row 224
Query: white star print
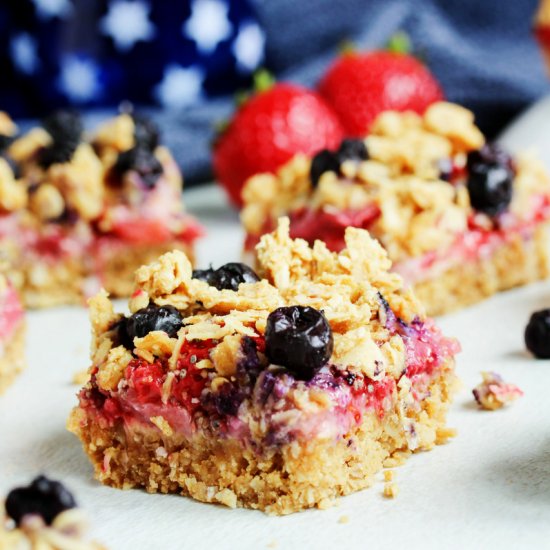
column 208, row 24
column 248, row 48
column 127, row 22
column 23, row 53
column 180, row 86
column 48, row 9
column 79, row 79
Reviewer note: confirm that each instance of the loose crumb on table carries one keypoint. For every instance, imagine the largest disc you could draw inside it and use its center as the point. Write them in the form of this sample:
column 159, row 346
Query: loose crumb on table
column 391, row 490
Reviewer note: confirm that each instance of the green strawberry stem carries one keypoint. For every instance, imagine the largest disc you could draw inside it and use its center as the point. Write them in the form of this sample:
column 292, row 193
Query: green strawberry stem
column 399, row 43
column 263, row 80
column 347, row 47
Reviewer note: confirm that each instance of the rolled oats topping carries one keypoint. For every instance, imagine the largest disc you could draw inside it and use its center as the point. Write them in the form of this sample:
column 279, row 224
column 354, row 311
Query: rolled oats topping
column 341, row 309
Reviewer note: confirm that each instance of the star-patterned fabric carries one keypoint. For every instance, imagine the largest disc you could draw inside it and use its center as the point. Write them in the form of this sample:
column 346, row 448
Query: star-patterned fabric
column 90, row 53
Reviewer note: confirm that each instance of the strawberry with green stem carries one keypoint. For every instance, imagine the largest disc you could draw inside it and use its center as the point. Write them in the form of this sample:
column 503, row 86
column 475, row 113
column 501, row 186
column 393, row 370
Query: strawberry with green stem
column 361, row 85
column 271, row 126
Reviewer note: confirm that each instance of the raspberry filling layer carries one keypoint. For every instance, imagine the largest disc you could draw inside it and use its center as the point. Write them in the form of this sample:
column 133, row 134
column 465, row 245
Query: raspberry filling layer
column 185, row 399
column 477, row 242
column 11, row 313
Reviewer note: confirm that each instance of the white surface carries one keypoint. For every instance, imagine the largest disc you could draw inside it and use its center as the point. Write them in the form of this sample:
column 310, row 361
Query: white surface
column 490, row 487
column 530, row 131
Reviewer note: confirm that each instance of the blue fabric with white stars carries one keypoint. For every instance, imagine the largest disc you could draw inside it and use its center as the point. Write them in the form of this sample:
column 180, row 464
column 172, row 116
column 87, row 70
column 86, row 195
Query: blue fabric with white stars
column 94, row 53
column 184, row 59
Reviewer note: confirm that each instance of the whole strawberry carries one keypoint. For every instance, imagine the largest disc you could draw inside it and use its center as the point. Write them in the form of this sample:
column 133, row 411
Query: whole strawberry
column 268, row 130
column 360, row 85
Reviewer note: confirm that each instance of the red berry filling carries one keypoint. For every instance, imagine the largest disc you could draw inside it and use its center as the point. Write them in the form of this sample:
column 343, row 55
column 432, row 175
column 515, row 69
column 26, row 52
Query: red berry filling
column 146, row 391
column 11, row 313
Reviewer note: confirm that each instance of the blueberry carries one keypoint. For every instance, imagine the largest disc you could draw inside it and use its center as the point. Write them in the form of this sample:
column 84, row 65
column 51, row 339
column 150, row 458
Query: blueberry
column 65, row 129
column 143, row 161
column 206, row 275
column 146, row 132
column 265, row 386
column 490, row 179
column 64, row 125
column 298, row 338
column 165, row 318
column 225, row 401
column 352, row 149
column 43, row 497
column 228, row 276
column 323, row 161
column 249, row 366
column 58, row 152
column 231, row 275
column 491, row 153
column 4, row 141
column 537, row 334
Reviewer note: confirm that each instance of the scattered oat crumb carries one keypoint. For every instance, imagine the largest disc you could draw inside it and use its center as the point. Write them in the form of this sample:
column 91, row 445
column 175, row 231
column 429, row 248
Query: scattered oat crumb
column 444, row 434
column 391, row 490
column 388, row 475
column 80, row 377
column 493, row 393
column 343, row 519
column 272, row 544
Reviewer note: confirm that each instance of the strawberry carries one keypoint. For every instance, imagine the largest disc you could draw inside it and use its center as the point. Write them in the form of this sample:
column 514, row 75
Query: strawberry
column 360, row 85
column 268, row 130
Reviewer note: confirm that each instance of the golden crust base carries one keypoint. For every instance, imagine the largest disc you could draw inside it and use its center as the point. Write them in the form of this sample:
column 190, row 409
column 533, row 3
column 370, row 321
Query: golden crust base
column 291, row 478
column 516, row 263
column 71, row 281
column 12, row 362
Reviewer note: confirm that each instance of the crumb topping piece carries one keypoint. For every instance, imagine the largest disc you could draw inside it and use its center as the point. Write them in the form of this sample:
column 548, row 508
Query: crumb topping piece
column 494, row 393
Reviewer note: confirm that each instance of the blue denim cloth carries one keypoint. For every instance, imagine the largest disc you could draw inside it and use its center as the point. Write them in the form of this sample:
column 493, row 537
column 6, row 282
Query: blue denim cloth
column 482, row 51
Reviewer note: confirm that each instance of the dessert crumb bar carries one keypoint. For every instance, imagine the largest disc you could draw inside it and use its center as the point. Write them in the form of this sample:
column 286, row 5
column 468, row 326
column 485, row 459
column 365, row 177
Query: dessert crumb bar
column 81, row 212
column 278, row 390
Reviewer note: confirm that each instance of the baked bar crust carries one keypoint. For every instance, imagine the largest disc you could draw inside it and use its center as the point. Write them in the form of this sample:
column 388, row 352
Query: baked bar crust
column 198, row 405
column 73, row 280
column 283, row 481
column 516, row 263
